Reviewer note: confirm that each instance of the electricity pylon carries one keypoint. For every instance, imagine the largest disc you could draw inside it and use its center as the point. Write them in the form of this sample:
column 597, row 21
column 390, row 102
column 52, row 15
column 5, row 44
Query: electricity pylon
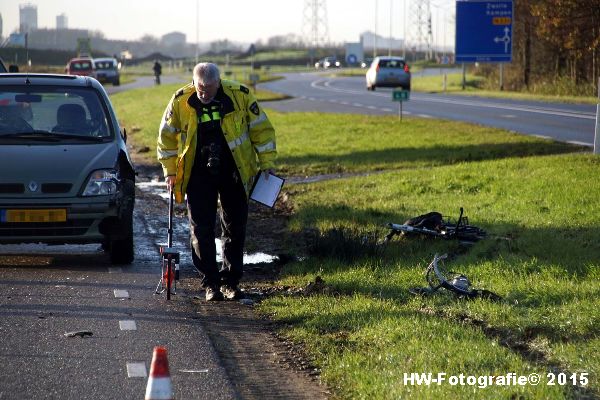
column 421, row 35
column 315, row 28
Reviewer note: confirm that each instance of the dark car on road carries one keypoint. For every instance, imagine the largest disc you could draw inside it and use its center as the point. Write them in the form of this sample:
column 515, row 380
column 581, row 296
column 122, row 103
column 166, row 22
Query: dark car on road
column 107, row 70
column 65, row 173
column 328, row 62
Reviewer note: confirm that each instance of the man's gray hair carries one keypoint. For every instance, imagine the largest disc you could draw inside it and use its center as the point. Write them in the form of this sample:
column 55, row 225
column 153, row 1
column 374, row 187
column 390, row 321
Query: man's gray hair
column 206, row 73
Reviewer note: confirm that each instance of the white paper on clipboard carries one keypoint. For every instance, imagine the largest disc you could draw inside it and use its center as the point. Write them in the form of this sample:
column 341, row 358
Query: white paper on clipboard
column 266, row 190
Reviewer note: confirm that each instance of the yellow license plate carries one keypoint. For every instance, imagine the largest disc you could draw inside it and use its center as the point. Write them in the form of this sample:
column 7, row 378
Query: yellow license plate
column 53, row 215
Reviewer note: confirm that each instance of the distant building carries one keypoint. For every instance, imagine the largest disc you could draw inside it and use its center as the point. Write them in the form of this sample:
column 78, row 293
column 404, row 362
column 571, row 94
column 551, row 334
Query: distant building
column 59, row 39
column 370, row 40
column 173, row 44
column 28, row 18
column 173, row 39
column 62, row 22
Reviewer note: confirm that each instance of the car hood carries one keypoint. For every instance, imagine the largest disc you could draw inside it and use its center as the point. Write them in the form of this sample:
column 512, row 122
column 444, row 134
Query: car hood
column 55, row 166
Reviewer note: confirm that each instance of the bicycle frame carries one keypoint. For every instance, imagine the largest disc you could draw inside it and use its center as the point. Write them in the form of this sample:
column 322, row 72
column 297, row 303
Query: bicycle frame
column 461, row 230
column 169, row 260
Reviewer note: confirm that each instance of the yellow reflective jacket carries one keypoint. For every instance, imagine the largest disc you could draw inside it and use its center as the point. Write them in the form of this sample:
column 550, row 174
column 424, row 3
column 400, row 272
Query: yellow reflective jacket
column 247, row 130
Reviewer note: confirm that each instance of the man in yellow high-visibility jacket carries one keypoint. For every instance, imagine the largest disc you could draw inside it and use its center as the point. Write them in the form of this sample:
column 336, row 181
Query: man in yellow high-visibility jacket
column 212, row 141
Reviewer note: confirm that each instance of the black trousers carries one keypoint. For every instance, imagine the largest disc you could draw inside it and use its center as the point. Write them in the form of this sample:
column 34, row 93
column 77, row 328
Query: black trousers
column 203, row 191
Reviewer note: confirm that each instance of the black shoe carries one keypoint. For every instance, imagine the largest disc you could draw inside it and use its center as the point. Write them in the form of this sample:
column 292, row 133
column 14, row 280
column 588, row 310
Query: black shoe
column 212, row 294
column 231, row 292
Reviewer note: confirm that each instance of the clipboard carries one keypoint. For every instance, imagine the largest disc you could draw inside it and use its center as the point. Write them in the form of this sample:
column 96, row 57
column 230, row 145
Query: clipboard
column 266, row 191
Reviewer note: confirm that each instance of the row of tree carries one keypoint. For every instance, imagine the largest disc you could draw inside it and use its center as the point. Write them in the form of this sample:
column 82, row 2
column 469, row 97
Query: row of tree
column 555, row 40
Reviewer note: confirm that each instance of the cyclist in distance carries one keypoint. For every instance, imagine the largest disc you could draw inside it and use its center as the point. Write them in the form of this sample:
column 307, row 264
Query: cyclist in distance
column 157, row 68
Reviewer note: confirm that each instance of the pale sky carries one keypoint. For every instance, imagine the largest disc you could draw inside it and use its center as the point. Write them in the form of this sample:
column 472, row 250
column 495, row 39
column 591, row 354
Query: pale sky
column 237, row 20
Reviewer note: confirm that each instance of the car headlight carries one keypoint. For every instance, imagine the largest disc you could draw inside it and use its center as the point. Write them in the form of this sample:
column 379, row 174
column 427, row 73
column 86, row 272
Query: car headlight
column 337, row 63
column 102, row 182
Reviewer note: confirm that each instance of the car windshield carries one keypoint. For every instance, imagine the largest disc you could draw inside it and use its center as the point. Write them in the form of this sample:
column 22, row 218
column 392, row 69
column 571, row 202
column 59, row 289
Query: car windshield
column 57, row 113
column 391, row 64
column 104, row 65
column 81, row 65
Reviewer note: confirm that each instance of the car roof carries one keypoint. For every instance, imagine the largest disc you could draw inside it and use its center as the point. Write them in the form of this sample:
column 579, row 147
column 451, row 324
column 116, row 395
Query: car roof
column 105, row 59
column 79, row 59
column 389, row 58
column 49, row 79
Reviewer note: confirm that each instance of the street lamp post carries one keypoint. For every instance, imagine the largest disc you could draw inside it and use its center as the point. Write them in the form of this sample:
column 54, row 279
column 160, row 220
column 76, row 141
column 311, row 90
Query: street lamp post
column 390, row 43
column 197, row 30
column 375, row 36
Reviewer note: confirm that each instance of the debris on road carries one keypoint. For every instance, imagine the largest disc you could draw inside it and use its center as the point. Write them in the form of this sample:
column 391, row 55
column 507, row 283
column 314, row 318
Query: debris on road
column 81, row 334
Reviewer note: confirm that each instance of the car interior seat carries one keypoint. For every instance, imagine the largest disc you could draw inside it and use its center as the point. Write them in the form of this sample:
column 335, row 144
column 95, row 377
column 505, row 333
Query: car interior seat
column 71, row 118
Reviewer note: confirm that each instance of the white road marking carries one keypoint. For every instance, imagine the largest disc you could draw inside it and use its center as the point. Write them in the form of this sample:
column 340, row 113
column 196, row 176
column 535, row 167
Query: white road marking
column 508, row 116
column 324, row 84
column 120, row 293
column 580, row 143
column 193, row 371
column 127, row 325
column 542, row 136
column 372, row 107
column 387, row 110
column 424, row 116
column 136, row 370
column 357, row 104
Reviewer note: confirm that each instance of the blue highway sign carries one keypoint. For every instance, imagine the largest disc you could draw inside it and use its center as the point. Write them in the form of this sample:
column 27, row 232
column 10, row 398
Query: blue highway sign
column 484, row 31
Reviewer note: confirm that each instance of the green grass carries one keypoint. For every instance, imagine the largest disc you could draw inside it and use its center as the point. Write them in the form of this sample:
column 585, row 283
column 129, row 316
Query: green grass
column 536, row 198
column 540, row 209
column 476, row 85
column 316, row 143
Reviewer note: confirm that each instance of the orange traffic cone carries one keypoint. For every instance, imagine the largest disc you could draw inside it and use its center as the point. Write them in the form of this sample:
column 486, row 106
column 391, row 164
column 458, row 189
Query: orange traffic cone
column 159, row 382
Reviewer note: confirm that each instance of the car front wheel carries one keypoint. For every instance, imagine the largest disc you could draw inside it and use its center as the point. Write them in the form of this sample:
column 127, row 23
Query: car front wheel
column 120, row 247
column 122, row 250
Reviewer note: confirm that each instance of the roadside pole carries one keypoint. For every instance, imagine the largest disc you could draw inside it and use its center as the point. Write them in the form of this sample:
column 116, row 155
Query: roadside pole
column 597, row 132
column 464, row 76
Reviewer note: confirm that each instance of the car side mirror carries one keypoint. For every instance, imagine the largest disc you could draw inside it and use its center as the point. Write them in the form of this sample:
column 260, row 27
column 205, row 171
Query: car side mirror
column 13, row 68
column 125, row 135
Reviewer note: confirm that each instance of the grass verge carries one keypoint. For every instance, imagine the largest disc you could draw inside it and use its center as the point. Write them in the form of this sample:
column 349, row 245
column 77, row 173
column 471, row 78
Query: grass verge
column 365, row 331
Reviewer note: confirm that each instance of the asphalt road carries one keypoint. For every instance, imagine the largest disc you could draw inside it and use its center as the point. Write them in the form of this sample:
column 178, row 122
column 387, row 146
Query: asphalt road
column 317, row 92
column 48, row 291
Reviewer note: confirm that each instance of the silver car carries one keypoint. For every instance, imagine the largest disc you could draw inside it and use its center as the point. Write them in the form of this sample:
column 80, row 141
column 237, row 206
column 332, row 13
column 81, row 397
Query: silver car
column 65, row 173
column 388, row 72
